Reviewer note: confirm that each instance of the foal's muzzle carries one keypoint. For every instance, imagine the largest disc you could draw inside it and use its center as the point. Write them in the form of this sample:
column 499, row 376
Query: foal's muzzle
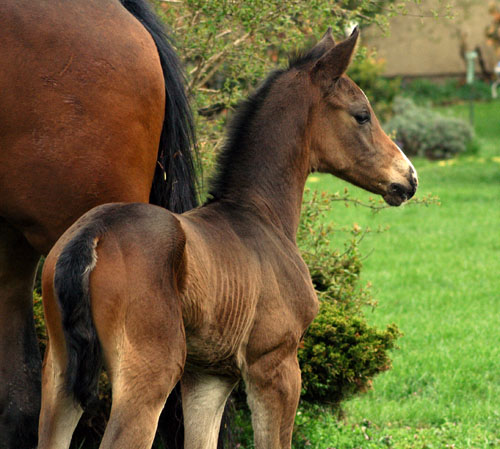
column 398, row 193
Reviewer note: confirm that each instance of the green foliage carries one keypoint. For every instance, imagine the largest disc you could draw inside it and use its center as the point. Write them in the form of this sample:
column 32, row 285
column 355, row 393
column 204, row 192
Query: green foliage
column 41, row 331
column 424, row 91
column 230, row 46
column 316, row 428
column 424, row 132
column 341, row 352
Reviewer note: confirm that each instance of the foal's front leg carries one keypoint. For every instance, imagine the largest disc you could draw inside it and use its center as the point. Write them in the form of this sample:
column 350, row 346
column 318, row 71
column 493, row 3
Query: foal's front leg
column 273, row 391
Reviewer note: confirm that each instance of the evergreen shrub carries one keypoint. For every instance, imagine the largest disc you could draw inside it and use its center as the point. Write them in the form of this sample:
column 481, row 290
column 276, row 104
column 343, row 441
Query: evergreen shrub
column 341, row 352
column 421, row 131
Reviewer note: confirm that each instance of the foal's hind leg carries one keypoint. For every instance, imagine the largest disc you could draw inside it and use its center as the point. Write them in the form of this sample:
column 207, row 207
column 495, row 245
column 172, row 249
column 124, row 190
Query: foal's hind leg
column 20, row 362
column 203, row 399
column 145, row 355
column 60, row 412
column 141, row 381
column 273, row 391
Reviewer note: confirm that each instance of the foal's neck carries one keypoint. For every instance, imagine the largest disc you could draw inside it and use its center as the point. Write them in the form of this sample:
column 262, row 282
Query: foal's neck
column 265, row 169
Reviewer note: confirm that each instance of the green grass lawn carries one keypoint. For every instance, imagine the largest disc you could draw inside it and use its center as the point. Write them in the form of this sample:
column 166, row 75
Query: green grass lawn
column 436, row 273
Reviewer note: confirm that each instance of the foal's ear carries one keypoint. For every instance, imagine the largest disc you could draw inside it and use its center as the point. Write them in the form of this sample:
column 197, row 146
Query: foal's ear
column 335, row 62
column 326, row 42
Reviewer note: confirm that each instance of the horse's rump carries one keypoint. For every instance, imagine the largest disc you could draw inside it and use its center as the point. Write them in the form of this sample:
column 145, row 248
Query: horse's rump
column 92, row 100
column 88, row 248
column 92, row 111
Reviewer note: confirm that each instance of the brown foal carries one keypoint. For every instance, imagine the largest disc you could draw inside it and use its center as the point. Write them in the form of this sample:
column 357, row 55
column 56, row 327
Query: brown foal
column 220, row 293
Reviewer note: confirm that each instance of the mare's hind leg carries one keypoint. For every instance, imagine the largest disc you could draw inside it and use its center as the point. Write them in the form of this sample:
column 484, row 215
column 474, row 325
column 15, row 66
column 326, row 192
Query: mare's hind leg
column 273, row 391
column 203, row 399
column 20, row 362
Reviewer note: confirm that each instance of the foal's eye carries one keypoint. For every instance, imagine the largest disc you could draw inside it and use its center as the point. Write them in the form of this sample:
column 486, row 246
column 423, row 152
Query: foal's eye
column 362, row 117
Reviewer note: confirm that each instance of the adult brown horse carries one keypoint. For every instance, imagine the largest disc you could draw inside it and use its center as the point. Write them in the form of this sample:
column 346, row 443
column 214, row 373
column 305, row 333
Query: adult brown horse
column 231, row 294
column 92, row 110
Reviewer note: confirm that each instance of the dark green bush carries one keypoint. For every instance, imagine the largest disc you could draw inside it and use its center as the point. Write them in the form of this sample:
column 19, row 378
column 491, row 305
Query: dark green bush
column 424, row 132
column 341, row 352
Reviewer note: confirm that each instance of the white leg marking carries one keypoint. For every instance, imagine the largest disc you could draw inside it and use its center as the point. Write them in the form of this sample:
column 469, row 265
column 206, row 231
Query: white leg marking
column 203, row 400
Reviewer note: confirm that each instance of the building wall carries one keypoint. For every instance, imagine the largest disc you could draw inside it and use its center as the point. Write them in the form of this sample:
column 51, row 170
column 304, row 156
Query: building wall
column 429, row 46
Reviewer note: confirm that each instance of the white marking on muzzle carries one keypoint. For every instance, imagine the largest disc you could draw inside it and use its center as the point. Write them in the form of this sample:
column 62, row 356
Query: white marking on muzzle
column 400, row 150
column 409, row 162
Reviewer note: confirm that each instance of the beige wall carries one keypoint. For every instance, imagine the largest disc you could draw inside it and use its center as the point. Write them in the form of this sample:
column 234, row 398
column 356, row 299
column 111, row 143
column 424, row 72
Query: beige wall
column 431, row 46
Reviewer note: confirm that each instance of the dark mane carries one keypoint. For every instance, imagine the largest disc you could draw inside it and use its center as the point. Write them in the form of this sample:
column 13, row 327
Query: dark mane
column 240, row 124
column 238, row 129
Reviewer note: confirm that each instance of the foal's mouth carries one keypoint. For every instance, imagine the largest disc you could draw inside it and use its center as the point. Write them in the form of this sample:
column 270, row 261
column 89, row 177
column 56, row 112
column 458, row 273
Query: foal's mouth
column 397, row 194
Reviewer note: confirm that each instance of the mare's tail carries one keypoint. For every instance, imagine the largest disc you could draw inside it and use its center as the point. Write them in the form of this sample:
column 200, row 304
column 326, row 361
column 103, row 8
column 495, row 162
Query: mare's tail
column 174, row 183
column 71, row 285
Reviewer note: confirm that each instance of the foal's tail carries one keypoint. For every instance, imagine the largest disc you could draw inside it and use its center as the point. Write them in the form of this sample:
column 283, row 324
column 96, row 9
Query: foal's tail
column 71, row 285
column 174, row 185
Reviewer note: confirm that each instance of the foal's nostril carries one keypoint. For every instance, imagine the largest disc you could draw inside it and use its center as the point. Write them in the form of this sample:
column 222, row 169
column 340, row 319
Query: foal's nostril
column 397, row 189
column 412, row 191
column 401, row 191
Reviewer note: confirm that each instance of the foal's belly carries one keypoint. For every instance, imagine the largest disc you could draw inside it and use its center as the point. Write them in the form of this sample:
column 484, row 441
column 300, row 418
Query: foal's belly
column 216, row 342
column 213, row 357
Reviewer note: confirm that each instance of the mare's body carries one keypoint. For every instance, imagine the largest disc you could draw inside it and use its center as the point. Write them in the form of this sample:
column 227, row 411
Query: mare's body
column 86, row 92
column 232, row 294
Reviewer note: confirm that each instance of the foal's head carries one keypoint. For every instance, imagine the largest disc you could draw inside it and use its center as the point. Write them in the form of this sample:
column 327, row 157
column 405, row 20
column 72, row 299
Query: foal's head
column 345, row 136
